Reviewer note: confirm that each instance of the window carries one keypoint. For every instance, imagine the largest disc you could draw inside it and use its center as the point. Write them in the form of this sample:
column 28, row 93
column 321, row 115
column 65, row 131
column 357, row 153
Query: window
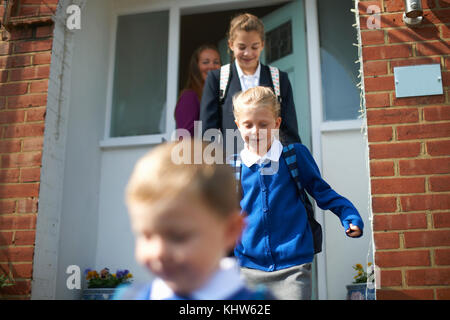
column 341, row 97
column 140, row 75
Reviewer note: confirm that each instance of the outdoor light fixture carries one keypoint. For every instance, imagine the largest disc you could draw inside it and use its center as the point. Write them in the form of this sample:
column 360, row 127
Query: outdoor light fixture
column 413, row 12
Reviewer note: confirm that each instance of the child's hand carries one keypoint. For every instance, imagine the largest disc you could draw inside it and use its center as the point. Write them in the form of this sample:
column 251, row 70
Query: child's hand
column 353, row 231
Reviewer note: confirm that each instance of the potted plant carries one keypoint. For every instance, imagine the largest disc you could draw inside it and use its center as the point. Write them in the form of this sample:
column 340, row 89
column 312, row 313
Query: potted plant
column 359, row 289
column 101, row 286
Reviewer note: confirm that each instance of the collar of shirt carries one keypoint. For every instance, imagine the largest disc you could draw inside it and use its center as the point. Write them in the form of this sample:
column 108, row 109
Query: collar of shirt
column 249, row 158
column 248, row 81
column 224, row 282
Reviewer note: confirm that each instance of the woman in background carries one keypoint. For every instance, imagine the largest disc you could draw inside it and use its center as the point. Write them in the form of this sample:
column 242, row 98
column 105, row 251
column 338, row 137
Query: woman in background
column 187, row 110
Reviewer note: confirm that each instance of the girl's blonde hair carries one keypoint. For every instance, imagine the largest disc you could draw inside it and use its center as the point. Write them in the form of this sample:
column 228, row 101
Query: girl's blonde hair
column 245, row 22
column 257, row 97
column 156, row 176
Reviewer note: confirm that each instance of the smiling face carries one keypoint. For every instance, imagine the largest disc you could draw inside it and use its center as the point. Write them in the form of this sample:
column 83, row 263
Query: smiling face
column 208, row 60
column 257, row 125
column 182, row 244
column 247, row 47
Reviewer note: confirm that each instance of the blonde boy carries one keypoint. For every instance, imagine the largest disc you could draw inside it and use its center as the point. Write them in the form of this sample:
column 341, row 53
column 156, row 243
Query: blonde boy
column 185, row 218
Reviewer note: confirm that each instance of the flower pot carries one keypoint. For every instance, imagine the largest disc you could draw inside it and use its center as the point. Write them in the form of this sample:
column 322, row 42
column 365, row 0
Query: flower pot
column 359, row 291
column 98, row 293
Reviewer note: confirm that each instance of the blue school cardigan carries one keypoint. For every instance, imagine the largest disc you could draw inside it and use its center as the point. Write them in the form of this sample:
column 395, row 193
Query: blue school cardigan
column 277, row 234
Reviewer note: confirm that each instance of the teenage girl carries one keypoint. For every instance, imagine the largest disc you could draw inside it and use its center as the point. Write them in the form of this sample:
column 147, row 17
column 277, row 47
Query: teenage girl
column 246, row 42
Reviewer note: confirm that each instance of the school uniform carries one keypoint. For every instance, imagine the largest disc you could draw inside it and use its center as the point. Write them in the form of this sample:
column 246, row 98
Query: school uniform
column 216, row 116
column 277, row 238
column 225, row 284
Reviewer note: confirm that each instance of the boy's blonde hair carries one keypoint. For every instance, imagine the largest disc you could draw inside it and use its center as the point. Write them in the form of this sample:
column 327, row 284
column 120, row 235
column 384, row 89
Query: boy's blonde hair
column 253, row 98
column 156, row 176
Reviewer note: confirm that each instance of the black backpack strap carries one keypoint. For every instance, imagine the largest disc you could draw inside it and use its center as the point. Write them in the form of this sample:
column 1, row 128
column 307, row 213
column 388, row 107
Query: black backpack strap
column 290, row 157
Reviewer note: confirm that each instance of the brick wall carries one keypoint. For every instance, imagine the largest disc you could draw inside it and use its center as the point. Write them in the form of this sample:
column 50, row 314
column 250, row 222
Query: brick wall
column 25, row 52
column 409, row 145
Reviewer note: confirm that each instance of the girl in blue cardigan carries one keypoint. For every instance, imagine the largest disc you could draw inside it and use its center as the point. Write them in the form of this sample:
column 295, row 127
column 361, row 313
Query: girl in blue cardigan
column 276, row 248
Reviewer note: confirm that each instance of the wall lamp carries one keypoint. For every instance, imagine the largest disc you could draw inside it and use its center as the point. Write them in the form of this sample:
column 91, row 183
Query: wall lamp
column 413, row 12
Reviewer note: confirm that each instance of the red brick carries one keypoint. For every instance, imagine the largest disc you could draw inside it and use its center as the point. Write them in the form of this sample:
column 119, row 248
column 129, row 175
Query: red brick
column 399, row 221
column 444, row 3
column 381, row 168
column 23, row 270
column 27, row 206
column 24, row 238
column 10, row 117
column 386, row 240
column 414, row 62
column 442, row 256
column 9, row 175
column 22, row 221
column 439, row 183
column 39, row 86
column 428, row 277
column 42, row 58
column 425, row 202
column 33, row 144
column 30, row 73
column 398, row 185
column 384, row 204
column 405, row 294
column 414, row 101
column 27, row 101
column 392, row 116
column 30, row 174
column 402, row 258
column 363, row 6
column 431, row 238
column 377, row 134
column 385, row 83
column 394, row 150
column 20, row 33
column 36, row 114
column 29, row 130
column 6, row 238
column 436, row 48
column 413, row 34
column 441, row 220
column 9, row 146
column 371, row 37
column 5, row 48
column 13, row 89
column 7, row 206
column 19, row 190
column 443, row 293
column 16, row 254
column 437, row 113
column 377, row 100
column 391, row 278
column 17, row 160
column 16, row 61
column 44, row 31
column 375, row 68
column 424, row 166
column 445, row 32
column 32, row 46
column 387, row 52
column 436, row 16
column 423, row 131
column 20, row 287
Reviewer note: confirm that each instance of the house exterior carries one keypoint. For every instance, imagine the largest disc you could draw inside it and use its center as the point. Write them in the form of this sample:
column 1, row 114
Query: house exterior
column 73, row 78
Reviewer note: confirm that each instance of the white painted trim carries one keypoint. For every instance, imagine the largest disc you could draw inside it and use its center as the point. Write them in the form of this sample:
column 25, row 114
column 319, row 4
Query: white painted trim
column 315, row 93
column 344, row 125
column 136, row 141
column 46, row 249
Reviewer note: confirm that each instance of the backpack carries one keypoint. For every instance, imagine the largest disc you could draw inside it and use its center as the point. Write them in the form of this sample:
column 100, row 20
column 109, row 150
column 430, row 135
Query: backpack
column 225, row 75
column 290, row 157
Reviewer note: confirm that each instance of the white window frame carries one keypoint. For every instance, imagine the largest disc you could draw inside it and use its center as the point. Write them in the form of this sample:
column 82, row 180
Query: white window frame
column 176, row 8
